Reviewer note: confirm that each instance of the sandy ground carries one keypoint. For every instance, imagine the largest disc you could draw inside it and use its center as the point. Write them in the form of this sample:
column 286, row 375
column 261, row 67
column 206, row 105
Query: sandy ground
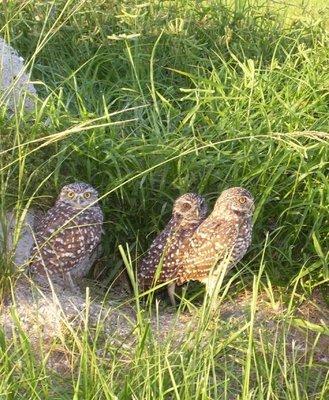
column 49, row 318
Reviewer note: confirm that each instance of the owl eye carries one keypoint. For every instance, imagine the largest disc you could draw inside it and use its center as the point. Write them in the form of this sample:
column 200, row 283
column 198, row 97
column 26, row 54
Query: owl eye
column 70, row 195
column 186, row 207
column 87, row 195
column 242, row 199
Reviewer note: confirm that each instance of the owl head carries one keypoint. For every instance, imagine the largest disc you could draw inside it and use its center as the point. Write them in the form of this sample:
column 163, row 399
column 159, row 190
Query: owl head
column 190, row 207
column 78, row 195
column 236, row 200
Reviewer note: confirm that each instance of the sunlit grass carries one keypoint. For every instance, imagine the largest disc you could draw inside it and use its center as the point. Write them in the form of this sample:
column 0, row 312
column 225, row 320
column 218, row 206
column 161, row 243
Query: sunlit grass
column 146, row 101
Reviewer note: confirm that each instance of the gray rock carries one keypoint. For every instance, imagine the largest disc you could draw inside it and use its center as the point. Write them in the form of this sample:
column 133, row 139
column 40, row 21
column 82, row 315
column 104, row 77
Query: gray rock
column 16, row 237
column 15, row 85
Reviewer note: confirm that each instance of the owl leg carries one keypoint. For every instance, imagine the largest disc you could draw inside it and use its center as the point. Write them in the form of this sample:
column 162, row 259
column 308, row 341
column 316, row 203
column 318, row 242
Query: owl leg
column 171, row 293
column 69, row 283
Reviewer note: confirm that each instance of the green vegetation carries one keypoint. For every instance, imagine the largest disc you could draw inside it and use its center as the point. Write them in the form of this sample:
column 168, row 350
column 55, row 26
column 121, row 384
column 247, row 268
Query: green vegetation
column 147, row 101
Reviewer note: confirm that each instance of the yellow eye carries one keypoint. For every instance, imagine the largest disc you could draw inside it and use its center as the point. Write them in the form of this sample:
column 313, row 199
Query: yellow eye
column 70, row 195
column 242, row 200
column 87, row 195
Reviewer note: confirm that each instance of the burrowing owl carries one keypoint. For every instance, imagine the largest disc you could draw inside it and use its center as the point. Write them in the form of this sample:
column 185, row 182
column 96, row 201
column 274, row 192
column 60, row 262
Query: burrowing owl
column 68, row 235
column 158, row 265
column 220, row 241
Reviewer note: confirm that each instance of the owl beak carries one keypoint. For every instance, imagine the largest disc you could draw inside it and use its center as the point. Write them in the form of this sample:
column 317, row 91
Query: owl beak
column 79, row 200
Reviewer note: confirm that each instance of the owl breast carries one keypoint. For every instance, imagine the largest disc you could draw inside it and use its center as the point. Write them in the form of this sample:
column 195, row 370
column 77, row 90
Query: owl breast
column 65, row 240
column 243, row 240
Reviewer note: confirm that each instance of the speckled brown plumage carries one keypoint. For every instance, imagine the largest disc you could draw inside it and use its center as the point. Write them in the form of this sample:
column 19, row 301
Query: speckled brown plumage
column 225, row 234
column 158, row 265
column 68, row 235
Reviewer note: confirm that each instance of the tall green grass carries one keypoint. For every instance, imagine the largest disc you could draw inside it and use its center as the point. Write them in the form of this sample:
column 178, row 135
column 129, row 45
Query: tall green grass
column 147, row 101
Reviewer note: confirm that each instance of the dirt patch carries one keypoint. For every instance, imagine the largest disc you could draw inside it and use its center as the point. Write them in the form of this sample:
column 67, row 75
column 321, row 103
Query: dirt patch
column 50, row 319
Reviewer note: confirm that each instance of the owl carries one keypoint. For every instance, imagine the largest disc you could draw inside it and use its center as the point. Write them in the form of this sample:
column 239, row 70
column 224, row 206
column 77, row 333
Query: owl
column 68, row 237
column 158, row 265
column 220, row 241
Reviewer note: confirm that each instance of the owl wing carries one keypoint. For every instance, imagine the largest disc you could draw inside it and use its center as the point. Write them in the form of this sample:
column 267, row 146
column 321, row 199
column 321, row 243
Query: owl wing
column 210, row 243
column 150, row 262
column 175, row 243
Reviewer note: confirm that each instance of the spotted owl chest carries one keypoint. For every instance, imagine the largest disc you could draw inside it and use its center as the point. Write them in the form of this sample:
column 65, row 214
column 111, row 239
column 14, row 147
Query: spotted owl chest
column 243, row 240
column 66, row 225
